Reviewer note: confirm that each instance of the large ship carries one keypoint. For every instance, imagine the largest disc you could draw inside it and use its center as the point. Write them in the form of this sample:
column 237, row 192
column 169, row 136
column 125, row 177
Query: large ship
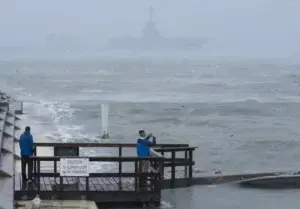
column 151, row 39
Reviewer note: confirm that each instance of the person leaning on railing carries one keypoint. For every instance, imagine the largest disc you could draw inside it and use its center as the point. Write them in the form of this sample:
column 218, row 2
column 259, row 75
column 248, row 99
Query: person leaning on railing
column 143, row 150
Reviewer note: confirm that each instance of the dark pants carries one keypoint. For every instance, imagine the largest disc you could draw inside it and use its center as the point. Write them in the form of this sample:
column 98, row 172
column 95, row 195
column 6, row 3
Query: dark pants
column 143, row 168
column 26, row 161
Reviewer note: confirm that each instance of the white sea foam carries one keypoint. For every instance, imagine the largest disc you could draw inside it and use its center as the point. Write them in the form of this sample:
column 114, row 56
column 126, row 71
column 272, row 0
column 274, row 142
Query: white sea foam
column 144, row 97
column 52, row 121
column 91, row 91
column 165, row 204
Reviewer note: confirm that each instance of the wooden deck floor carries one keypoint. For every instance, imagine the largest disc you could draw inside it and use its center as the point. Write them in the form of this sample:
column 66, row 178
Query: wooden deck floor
column 95, row 183
column 79, row 184
column 100, row 189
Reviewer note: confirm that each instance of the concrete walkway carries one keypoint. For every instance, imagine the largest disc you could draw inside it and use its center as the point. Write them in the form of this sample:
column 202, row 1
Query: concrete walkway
column 63, row 204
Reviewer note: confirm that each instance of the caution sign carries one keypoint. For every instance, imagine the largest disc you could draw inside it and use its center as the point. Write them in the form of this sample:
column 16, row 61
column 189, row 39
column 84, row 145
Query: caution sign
column 75, row 167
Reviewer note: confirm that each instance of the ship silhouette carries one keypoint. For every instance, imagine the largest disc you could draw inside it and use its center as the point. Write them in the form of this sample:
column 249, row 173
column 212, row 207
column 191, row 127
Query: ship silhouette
column 151, row 39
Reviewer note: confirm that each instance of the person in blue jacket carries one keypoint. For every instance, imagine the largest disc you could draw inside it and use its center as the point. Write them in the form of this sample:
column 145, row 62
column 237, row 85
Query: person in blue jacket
column 143, row 150
column 143, row 144
column 26, row 147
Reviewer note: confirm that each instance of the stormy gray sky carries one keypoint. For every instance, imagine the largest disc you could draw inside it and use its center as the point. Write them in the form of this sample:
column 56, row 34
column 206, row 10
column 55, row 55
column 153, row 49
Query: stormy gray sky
column 256, row 27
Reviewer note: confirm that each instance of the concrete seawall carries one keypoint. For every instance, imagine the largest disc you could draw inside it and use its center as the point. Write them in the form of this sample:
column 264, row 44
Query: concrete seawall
column 9, row 133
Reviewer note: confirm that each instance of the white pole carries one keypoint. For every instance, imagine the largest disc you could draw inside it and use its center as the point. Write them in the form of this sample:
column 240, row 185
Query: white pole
column 104, row 121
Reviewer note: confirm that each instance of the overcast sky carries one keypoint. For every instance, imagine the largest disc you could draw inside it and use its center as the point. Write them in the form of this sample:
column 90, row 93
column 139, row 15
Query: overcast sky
column 240, row 26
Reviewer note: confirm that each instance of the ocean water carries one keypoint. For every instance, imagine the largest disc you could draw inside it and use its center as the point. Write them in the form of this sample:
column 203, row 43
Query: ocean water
column 242, row 115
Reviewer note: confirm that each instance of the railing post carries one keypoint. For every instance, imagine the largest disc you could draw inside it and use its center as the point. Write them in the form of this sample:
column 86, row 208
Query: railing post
column 154, row 165
column 136, row 177
column 160, row 178
column 185, row 167
column 120, row 167
column 190, row 165
column 55, row 166
column 34, row 163
column 55, row 171
column 61, row 183
column 173, row 166
column 162, row 168
column 87, row 184
column 120, row 162
column 38, row 176
column 162, row 152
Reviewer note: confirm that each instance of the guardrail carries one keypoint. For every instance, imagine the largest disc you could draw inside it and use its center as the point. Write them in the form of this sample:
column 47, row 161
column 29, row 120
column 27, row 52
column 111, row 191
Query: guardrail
column 159, row 151
column 155, row 175
column 105, row 187
column 187, row 162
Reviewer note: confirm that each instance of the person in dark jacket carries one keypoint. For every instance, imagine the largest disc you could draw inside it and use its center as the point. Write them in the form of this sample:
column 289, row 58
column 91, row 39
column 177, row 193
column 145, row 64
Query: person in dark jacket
column 26, row 147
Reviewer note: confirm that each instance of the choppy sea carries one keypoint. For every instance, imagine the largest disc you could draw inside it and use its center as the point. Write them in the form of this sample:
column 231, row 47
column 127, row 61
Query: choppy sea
column 242, row 115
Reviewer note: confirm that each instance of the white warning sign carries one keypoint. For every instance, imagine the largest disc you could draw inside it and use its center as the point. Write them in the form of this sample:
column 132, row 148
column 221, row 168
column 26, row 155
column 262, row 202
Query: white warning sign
column 75, row 167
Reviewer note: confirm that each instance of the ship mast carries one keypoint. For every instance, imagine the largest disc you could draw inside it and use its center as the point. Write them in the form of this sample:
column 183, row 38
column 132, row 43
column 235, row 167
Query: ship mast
column 150, row 31
column 151, row 10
